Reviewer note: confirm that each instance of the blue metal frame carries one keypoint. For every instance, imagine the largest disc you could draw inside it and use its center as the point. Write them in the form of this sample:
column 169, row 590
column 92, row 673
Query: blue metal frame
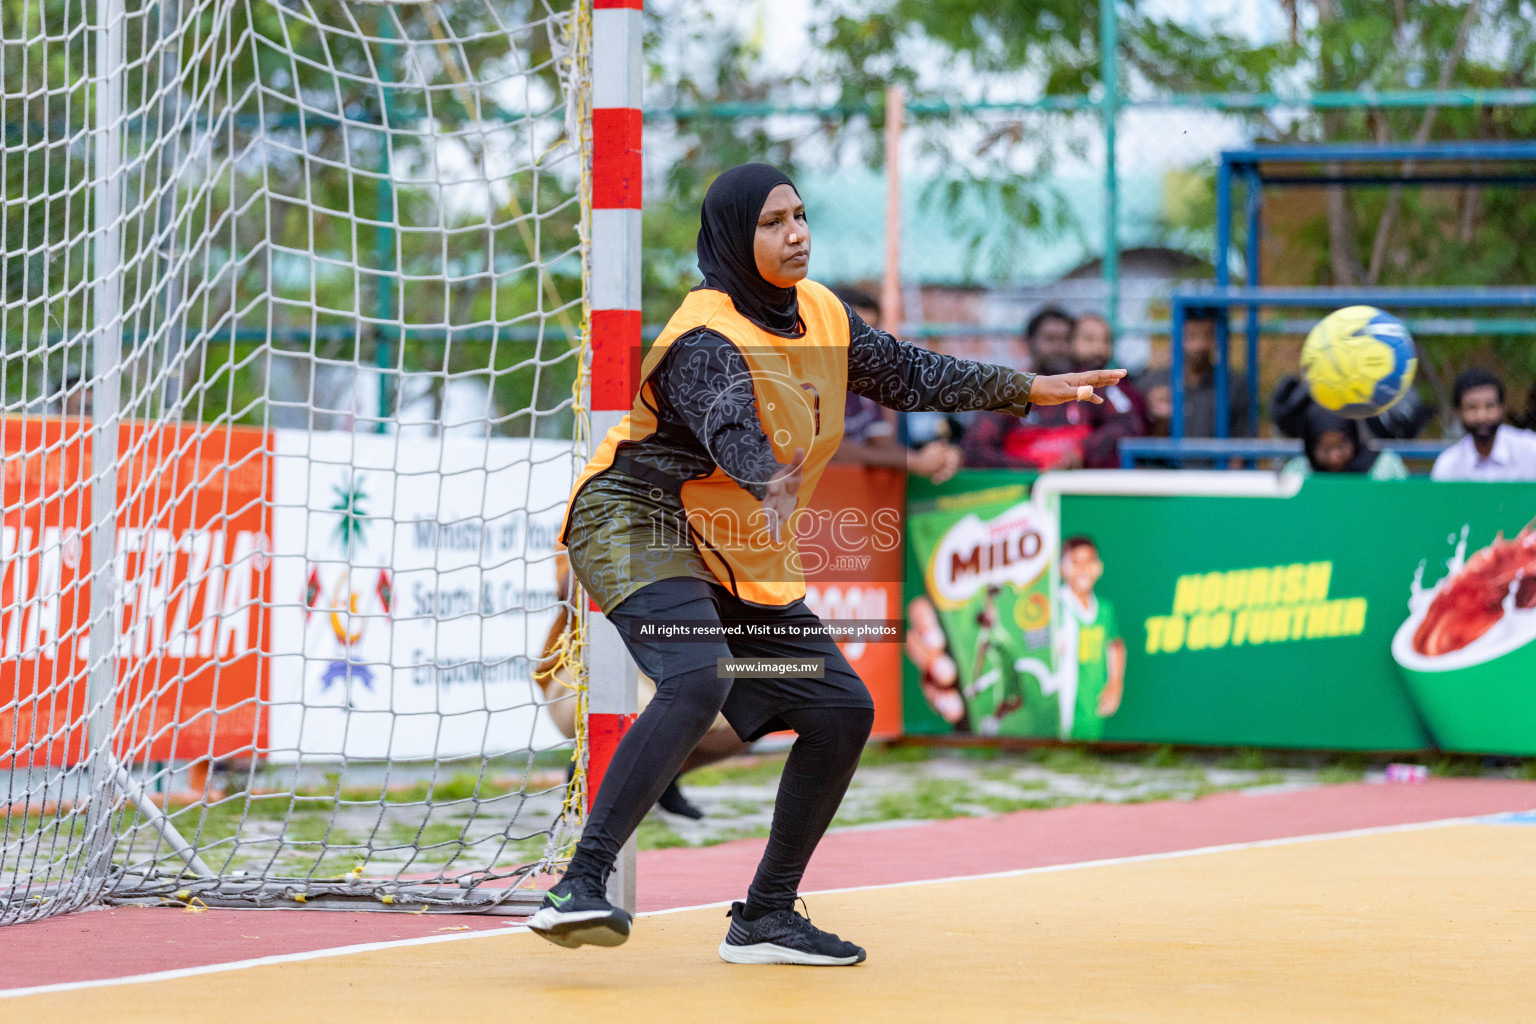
column 1363, row 152
column 1224, row 298
column 1247, row 165
column 1220, row 450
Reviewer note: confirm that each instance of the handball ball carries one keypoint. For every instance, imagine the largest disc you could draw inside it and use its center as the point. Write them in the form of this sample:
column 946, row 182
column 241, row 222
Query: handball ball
column 1358, row 361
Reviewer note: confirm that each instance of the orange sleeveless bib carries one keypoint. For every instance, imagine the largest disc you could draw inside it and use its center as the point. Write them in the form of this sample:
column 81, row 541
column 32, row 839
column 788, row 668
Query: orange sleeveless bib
column 800, row 385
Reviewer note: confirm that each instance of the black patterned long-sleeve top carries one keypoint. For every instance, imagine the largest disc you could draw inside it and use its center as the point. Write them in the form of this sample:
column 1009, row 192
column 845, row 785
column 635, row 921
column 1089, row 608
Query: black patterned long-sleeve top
column 707, row 409
column 707, row 416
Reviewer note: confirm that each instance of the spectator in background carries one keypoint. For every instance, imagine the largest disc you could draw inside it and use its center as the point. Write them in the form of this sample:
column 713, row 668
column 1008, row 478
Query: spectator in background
column 1199, row 387
column 1050, row 437
column 1158, row 394
column 1200, row 382
column 1528, row 420
column 1334, row 444
column 1490, row 450
column 1048, row 340
column 1123, row 413
column 869, row 429
column 73, row 397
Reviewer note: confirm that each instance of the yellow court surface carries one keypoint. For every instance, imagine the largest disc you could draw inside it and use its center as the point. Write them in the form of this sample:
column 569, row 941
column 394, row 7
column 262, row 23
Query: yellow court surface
column 1418, row 924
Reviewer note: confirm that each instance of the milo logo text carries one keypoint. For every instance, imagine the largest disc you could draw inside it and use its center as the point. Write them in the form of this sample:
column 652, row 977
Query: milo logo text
column 1013, row 548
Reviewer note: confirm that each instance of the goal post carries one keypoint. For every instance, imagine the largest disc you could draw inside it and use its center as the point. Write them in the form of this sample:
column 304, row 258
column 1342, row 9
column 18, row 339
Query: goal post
column 302, row 306
column 616, row 210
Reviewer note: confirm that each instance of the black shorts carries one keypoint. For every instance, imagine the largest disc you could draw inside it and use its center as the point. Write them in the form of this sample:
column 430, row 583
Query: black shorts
column 754, row 704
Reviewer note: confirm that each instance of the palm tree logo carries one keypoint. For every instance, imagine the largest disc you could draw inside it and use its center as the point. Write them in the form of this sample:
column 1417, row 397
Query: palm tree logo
column 350, row 533
column 353, row 522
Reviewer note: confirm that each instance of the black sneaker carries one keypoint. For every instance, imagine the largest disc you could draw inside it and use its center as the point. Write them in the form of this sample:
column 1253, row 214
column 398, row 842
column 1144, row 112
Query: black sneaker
column 784, row 937
column 673, row 802
column 576, row 912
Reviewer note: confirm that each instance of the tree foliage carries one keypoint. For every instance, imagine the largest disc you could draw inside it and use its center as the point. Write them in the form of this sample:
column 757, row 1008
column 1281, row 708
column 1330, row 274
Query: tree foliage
column 317, row 178
column 969, row 50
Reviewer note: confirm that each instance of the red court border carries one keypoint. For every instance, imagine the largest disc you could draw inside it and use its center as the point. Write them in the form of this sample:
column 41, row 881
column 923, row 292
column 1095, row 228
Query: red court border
column 115, row 943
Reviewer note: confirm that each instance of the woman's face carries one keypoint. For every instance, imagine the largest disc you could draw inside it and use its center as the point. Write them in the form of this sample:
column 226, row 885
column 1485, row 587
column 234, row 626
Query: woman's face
column 782, row 244
column 1333, row 451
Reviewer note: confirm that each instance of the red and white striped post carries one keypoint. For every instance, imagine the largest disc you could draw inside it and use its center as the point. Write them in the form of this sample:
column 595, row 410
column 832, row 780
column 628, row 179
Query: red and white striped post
column 613, row 679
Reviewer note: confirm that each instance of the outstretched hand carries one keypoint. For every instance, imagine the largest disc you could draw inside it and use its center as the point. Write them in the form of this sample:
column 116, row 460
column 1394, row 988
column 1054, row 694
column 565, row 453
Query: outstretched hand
column 1072, row 387
column 783, row 494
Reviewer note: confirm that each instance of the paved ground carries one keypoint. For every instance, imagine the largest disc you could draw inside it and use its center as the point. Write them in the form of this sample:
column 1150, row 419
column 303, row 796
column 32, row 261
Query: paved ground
column 115, row 943
column 906, row 784
column 457, row 822
column 1421, row 924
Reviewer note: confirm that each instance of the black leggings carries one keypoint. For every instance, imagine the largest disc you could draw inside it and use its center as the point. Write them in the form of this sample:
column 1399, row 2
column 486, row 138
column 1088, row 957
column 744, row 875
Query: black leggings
column 816, row 775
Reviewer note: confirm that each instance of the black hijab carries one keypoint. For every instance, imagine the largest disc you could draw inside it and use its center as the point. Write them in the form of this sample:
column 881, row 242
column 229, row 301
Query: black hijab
column 727, row 226
column 1319, row 421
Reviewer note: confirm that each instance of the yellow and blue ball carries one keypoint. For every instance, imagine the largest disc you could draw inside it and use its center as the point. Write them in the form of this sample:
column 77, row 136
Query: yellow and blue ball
column 1358, row 361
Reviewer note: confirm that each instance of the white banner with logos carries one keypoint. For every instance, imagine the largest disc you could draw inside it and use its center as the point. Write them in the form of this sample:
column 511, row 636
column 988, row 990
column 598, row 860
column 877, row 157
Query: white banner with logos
column 413, row 585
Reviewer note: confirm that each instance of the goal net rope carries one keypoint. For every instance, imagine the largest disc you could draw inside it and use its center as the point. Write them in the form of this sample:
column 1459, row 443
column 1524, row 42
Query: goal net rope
column 292, row 306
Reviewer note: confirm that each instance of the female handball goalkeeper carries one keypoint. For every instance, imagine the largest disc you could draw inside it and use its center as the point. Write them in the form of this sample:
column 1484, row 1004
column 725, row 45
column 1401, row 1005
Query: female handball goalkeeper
column 683, row 517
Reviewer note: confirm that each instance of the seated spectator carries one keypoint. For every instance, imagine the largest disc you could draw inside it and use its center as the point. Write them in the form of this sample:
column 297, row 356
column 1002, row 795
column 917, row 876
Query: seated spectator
column 1157, row 392
column 1123, row 413
column 1051, row 436
column 1199, row 394
column 1490, row 450
column 1404, row 419
column 1199, row 387
column 869, row 429
column 72, row 398
column 1334, row 444
column 1528, row 420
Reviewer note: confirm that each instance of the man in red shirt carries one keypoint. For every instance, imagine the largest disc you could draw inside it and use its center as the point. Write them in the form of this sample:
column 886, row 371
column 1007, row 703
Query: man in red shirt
column 1055, row 437
column 1124, row 412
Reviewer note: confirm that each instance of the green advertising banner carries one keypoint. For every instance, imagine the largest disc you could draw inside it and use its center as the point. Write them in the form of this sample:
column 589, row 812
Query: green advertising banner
column 978, row 608
column 1350, row 614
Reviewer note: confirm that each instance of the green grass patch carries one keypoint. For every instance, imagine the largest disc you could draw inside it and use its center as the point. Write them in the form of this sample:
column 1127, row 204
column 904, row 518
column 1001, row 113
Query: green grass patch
column 522, row 851
column 308, row 828
column 878, row 755
column 1346, row 769
column 654, row 835
column 1164, row 757
column 37, row 832
column 741, row 808
column 1009, row 804
column 1247, row 759
column 1009, row 773
column 923, row 800
column 757, row 832
column 458, row 787
column 1069, row 761
column 738, row 771
column 407, row 833
column 205, row 825
column 439, row 854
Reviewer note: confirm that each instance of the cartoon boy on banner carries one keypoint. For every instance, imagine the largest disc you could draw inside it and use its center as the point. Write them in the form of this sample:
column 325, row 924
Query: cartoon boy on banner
column 1090, row 651
column 1089, row 678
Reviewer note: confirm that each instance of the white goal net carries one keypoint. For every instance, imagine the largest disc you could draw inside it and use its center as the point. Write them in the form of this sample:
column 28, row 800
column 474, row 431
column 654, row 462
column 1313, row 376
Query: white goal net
column 292, row 307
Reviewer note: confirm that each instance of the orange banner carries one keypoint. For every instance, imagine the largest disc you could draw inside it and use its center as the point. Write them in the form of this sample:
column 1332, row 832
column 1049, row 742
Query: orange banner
column 191, row 581
column 851, row 540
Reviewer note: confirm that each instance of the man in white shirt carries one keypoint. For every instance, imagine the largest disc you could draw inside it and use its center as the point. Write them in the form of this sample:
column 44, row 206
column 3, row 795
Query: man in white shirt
column 1491, row 449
